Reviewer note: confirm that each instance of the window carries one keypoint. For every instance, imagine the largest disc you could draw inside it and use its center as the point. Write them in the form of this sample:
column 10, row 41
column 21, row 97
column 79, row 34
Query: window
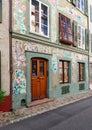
column 81, row 71
column 90, row 72
column 80, row 4
column 64, row 71
column 39, row 18
column 65, row 29
column 91, row 13
column 91, row 43
column 81, row 37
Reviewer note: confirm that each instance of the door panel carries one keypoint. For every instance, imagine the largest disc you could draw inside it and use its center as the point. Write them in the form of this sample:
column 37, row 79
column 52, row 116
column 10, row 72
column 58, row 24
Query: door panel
column 38, row 78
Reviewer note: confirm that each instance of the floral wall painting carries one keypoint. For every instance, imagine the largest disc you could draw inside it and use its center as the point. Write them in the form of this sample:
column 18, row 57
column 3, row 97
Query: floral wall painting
column 19, row 83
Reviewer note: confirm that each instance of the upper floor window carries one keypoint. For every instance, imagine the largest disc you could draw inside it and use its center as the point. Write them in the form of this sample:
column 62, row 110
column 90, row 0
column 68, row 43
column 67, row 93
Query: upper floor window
column 39, row 18
column 65, row 29
column 64, row 71
column 81, row 37
column 80, row 5
column 81, row 71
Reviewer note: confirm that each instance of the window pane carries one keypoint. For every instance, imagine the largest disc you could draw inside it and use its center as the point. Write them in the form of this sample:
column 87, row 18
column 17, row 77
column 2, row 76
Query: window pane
column 83, row 38
column 79, row 36
column 60, row 72
column 64, row 31
column 35, row 16
column 44, row 20
column 34, row 68
column 79, row 2
column 44, row 30
column 82, row 5
column 66, row 75
column 66, row 71
column 41, row 68
column 81, row 71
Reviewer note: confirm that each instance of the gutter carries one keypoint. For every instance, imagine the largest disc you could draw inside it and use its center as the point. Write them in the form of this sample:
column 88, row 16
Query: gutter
column 10, row 50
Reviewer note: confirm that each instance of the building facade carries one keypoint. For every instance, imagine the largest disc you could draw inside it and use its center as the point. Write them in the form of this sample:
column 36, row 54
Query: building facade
column 49, row 49
column 4, row 54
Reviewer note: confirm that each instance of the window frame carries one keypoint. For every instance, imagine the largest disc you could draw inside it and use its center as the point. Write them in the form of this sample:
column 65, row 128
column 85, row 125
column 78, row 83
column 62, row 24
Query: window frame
column 83, row 37
column 39, row 33
column 79, row 71
column 61, row 25
column 63, row 73
column 83, row 11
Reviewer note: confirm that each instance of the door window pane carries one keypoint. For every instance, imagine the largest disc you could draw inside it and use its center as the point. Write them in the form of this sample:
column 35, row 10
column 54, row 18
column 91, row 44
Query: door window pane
column 34, row 68
column 41, row 67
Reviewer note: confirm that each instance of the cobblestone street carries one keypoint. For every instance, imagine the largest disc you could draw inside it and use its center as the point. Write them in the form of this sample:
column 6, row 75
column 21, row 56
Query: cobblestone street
column 20, row 114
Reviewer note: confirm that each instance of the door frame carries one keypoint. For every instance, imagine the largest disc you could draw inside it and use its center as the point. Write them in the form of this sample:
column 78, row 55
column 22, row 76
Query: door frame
column 40, row 90
column 29, row 56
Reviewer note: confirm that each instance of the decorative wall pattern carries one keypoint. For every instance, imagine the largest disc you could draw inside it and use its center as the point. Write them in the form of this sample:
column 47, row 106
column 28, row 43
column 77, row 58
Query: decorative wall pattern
column 19, row 55
column 19, row 83
column 19, row 16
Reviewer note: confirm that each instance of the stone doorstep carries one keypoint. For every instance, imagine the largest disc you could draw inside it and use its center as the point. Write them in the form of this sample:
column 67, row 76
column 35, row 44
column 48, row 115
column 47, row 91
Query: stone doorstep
column 39, row 102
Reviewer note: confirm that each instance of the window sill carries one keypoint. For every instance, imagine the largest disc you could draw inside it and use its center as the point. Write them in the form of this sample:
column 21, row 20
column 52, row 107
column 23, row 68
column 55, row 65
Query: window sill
column 38, row 34
column 66, row 42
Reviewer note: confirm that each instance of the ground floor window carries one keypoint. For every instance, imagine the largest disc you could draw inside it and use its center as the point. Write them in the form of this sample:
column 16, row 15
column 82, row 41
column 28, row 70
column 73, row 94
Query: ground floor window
column 81, row 71
column 63, row 71
column 90, row 72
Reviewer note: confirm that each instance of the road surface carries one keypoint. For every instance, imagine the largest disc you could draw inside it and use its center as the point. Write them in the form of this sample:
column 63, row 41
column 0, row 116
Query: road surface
column 75, row 116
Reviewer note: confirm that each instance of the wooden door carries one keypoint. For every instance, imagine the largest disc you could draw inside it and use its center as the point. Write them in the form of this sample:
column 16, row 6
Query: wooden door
column 38, row 78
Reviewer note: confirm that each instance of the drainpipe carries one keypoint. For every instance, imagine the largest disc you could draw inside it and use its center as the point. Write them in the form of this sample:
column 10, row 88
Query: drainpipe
column 10, row 48
column 88, row 47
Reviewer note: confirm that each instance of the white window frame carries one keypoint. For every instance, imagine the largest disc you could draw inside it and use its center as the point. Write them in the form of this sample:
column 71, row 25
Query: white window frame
column 40, row 18
column 82, row 39
column 82, row 10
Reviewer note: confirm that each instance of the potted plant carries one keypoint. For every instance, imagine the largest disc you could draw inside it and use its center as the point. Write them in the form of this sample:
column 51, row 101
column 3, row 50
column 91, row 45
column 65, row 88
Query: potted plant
column 2, row 93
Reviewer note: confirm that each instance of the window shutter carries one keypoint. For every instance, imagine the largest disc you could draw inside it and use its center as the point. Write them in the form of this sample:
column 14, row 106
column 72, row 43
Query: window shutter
column 91, row 42
column 86, row 7
column 87, row 39
column 60, row 31
column 0, row 11
column 75, row 33
column 74, row 2
column 91, row 13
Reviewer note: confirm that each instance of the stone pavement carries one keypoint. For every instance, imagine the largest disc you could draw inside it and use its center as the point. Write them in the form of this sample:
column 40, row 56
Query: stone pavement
column 22, row 113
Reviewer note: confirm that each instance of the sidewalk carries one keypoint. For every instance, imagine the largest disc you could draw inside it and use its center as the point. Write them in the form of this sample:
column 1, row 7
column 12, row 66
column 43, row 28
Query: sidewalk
column 20, row 114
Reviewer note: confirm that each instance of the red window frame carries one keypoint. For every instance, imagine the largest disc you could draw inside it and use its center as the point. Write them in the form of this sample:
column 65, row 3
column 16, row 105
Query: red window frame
column 81, row 71
column 63, row 70
column 65, row 30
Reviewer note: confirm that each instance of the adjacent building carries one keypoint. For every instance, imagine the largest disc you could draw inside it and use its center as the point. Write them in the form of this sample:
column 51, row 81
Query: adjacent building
column 90, row 43
column 4, row 54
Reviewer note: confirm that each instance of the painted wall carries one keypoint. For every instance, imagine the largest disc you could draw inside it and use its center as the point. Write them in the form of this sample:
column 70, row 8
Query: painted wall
column 4, row 47
column 21, row 16
column 20, row 63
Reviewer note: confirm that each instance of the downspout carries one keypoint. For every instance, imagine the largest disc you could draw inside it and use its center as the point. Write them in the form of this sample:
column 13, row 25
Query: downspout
column 10, row 49
column 88, row 48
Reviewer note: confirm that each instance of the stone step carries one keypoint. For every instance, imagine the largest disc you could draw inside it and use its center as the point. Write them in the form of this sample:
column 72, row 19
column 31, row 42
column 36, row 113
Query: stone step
column 39, row 102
